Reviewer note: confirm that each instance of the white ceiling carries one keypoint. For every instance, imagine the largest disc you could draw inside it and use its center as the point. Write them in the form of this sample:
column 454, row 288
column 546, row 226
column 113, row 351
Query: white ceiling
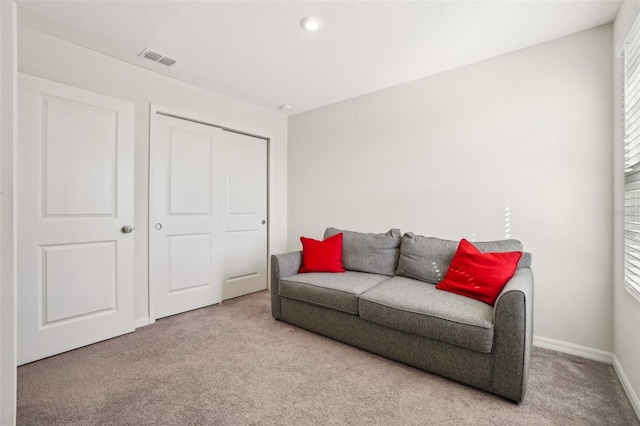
column 257, row 52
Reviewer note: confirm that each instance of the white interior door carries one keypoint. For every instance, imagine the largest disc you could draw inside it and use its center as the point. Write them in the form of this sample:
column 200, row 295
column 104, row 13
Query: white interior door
column 75, row 195
column 207, row 237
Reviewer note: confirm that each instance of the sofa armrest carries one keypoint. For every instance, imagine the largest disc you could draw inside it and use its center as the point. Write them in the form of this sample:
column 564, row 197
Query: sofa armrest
column 513, row 336
column 522, row 281
column 282, row 265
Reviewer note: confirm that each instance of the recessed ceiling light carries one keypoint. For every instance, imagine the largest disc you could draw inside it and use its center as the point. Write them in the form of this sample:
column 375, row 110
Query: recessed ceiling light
column 311, row 23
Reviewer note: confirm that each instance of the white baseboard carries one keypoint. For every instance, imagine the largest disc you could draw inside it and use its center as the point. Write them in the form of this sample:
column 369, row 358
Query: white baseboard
column 573, row 349
column 141, row 322
column 633, row 398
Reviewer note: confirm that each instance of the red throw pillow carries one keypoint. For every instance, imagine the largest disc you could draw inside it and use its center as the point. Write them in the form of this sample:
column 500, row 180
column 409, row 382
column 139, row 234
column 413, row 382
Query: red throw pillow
column 478, row 275
column 322, row 256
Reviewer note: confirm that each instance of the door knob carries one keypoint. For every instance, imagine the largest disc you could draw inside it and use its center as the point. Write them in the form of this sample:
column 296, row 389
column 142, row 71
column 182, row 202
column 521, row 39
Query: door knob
column 127, row 229
column 264, row 221
column 158, row 226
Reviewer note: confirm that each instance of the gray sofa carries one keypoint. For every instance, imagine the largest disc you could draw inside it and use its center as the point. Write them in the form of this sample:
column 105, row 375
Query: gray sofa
column 387, row 303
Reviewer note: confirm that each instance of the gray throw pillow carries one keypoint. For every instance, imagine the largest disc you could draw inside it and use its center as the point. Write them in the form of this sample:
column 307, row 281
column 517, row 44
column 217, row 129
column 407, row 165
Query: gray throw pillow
column 373, row 253
column 428, row 259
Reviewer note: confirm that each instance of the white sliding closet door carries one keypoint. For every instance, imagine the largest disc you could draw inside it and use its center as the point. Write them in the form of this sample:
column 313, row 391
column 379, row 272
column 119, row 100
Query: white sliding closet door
column 75, row 218
column 207, row 237
column 245, row 221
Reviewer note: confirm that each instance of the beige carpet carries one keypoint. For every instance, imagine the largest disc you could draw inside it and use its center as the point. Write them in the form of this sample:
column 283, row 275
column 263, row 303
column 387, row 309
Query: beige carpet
column 233, row 364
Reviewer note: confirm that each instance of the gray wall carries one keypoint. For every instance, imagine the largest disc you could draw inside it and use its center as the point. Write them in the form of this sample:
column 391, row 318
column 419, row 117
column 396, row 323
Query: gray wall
column 8, row 111
column 528, row 134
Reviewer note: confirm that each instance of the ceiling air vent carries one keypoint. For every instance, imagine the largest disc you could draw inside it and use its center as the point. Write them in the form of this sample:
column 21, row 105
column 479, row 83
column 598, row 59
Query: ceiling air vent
column 167, row 61
column 154, row 56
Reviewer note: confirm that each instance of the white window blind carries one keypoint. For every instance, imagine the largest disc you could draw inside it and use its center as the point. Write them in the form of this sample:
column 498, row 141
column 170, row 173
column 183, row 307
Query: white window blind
column 631, row 55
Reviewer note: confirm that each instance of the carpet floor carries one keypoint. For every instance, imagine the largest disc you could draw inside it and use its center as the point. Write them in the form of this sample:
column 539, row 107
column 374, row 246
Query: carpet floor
column 233, row 364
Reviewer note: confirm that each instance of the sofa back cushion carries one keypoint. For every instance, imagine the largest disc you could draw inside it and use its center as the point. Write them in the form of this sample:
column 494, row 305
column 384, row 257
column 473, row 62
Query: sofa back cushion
column 428, row 259
column 373, row 253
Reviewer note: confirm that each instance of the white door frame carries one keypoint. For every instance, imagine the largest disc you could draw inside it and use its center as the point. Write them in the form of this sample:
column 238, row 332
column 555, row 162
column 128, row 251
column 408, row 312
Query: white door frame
column 154, row 110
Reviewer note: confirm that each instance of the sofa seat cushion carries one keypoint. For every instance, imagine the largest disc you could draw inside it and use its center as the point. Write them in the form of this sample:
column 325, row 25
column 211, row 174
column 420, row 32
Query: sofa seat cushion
column 417, row 307
column 337, row 291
